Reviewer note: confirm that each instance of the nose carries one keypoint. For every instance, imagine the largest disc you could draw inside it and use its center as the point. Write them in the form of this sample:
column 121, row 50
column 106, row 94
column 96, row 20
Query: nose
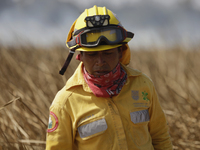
column 100, row 59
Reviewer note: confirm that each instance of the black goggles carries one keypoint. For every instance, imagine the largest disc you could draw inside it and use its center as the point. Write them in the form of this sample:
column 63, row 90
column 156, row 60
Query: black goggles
column 93, row 37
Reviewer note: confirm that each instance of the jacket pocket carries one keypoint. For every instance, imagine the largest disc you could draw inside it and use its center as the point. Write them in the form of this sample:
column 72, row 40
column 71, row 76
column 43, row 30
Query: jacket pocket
column 139, row 127
column 140, row 116
column 92, row 129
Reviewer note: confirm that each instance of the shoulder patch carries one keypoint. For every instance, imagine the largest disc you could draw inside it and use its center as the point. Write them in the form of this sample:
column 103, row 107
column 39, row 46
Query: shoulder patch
column 53, row 122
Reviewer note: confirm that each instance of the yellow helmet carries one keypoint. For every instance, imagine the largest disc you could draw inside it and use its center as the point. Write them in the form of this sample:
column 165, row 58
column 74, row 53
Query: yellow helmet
column 98, row 29
column 94, row 27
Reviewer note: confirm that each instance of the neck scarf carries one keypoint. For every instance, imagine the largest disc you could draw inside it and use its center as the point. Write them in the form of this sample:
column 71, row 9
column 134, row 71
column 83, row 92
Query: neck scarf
column 107, row 85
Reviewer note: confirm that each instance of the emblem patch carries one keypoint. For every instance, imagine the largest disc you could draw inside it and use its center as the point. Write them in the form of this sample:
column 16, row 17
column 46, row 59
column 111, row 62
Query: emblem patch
column 53, row 122
column 144, row 95
column 135, row 95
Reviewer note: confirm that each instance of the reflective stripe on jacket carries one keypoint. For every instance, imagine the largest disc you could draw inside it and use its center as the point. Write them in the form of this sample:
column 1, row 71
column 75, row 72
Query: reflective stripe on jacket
column 132, row 120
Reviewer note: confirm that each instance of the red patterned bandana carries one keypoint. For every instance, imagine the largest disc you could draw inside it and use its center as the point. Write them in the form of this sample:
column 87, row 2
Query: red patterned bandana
column 107, row 85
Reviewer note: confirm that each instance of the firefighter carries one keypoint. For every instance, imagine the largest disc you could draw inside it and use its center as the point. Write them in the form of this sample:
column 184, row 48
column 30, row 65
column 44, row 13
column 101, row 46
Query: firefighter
column 105, row 105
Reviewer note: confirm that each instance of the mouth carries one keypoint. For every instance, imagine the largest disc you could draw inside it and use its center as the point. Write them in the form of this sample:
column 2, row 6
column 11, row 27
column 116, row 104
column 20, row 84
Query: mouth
column 100, row 73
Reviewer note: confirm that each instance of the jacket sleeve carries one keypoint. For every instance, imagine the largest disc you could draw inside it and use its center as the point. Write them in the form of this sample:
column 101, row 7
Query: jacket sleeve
column 158, row 125
column 59, row 133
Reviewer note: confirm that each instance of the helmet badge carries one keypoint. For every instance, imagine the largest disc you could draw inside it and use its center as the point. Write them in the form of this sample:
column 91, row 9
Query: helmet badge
column 97, row 20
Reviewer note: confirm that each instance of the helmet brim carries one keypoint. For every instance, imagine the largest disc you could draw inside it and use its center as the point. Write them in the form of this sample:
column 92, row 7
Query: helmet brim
column 98, row 48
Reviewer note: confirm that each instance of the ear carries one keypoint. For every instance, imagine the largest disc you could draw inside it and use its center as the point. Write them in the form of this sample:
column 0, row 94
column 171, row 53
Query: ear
column 79, row 56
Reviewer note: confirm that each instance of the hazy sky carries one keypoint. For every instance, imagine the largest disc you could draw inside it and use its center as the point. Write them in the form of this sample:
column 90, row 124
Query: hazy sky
column 154, row 22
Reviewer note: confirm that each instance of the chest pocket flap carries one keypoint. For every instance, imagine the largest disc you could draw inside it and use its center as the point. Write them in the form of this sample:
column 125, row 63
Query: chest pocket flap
column 92, row 128
column 140, row 116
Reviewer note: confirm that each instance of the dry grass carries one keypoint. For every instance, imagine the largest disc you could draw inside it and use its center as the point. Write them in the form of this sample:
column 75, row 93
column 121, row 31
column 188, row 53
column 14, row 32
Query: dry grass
column 29, row 80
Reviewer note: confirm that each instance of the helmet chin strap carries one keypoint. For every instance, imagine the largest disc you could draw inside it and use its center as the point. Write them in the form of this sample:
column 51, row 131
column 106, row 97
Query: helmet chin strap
column 66, row 64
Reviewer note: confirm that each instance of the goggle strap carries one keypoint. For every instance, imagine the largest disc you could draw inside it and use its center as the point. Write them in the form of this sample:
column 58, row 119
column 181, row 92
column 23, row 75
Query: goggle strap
column 130, row 34
column 72, row 43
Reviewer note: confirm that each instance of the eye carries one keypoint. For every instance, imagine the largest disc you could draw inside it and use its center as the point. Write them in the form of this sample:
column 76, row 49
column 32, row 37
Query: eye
column 108, row 52
column 91, row 53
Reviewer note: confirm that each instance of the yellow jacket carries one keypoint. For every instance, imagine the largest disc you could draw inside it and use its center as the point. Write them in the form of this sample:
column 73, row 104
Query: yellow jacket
column 131, row 120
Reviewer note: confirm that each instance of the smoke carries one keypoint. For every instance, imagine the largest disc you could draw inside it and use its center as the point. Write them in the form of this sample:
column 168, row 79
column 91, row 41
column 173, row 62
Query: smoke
column 36, row 22
column 47, row 22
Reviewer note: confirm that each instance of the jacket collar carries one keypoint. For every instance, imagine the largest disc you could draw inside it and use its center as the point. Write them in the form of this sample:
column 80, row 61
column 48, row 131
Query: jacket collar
column 77, row 78
column 131, row 72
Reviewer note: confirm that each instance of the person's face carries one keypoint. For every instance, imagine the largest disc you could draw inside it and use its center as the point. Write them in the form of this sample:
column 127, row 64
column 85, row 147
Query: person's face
column 99, row 63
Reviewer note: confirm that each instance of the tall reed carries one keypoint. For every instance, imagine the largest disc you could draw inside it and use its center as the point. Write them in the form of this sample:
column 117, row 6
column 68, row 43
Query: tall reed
column 29, row 80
